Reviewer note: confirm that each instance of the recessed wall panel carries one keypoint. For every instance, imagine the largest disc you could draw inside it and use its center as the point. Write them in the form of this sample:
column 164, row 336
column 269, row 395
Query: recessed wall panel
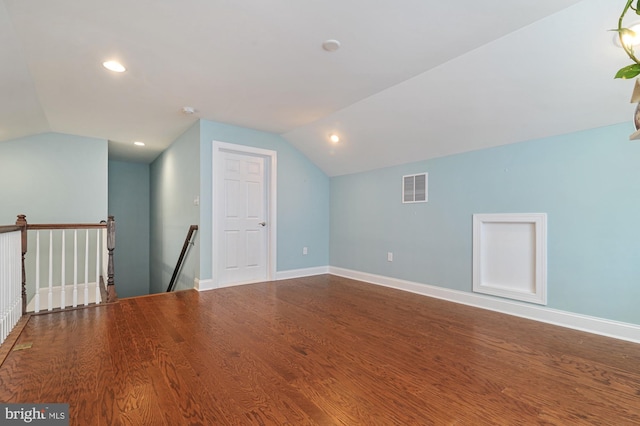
column 509, row 255
column 231, row 246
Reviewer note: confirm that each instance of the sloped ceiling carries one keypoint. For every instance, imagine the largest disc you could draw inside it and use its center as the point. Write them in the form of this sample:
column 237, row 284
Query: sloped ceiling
column 414, row 79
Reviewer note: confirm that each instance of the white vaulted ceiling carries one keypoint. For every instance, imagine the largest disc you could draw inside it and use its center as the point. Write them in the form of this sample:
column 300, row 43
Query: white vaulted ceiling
column 414, row 79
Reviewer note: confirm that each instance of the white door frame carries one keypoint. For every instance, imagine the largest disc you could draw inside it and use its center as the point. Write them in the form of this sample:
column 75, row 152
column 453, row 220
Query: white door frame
column 271, row 168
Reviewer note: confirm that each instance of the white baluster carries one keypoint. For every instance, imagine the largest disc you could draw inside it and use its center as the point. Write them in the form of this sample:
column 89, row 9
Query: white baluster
column 50, row 294
column 4, row 286
column 86, row 268
column 6, row 283
column 75, row 268
column 63, row 281
column 105, row 257
column 98, row 299
column 37, row 296
column 10, row 282
column 17, row 264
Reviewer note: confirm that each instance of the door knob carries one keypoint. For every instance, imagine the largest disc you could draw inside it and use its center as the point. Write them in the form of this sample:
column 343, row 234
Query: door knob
column 262, row 223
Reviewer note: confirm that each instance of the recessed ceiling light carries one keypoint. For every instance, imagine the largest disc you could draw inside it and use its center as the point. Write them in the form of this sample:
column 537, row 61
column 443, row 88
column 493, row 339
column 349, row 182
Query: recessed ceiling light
column 331, row 45
column 114, row 66
column 138, row 143
column 334, row 138
column 629, row 39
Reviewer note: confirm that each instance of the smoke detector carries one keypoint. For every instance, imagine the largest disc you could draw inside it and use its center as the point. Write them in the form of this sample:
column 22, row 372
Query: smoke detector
column 188, row 110
column 331, row 45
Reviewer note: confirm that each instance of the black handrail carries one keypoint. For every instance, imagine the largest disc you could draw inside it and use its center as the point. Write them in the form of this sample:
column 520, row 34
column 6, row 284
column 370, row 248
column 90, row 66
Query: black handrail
column 185, row 246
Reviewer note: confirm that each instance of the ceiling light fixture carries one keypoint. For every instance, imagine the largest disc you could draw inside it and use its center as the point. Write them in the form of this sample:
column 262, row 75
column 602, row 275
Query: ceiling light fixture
column 114, row 66
column 138, row 143
column 334, row 138
column 629, row 39
column 331, row 45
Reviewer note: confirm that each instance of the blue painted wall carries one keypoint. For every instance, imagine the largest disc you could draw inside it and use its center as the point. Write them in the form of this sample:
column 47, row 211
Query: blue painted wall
column 53, row 178
column 184, row 171
column 175, row 182
column 303, row 198
column 129, row 203
column 587, row 182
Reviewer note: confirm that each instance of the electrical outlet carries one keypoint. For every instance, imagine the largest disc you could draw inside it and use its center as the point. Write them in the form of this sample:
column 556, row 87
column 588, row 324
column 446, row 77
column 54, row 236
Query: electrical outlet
column 389, row 257
column 304, row 251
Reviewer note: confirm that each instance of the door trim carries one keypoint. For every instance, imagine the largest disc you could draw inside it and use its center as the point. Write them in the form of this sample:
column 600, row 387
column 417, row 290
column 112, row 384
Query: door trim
column 271, row 168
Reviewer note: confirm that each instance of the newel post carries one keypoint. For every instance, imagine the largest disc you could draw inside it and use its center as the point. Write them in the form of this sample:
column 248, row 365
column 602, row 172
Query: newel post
column 111, row 245
column 22, row 223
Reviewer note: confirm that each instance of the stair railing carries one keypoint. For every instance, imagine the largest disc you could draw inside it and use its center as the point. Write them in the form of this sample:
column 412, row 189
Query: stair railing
column 59, row 247
column 185, row 246
column 10, row 279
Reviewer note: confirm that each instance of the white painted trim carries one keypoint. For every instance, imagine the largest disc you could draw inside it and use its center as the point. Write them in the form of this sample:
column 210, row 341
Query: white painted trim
column 226, row 146
column 272, row 160
column 589, row 324
column 203, row 285
column 239, row 283
column 299, row 273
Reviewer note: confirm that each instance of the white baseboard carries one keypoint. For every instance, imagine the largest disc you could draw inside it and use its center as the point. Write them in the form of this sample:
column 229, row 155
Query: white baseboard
column 203, row 285
column 298, row 273
column 601, row 326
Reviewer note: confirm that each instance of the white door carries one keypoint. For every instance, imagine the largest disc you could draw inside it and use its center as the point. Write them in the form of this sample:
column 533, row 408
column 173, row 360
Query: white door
column 241, row 200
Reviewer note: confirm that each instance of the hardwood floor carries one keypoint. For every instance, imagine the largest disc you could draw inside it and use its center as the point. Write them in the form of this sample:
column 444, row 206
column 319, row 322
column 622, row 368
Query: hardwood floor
column 320, row 350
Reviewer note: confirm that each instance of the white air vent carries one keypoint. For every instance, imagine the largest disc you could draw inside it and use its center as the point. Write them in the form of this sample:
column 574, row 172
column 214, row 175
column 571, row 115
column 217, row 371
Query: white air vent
column 415, row 188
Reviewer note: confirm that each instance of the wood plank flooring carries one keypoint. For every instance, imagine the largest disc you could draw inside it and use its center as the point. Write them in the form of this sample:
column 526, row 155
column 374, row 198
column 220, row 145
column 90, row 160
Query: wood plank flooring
column 321, row 350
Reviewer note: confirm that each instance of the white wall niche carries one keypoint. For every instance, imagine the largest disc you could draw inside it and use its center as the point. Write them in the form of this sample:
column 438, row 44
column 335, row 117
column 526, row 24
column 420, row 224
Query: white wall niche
column 510, row 256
